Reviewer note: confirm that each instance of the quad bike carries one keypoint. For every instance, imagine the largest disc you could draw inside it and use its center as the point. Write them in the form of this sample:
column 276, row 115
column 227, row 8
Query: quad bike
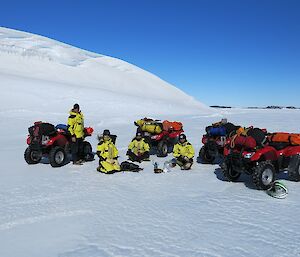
column 163, row 143
column 160, row 136
column 214, row 142
column 212, row 149
column 262, row 162
column 46, row 140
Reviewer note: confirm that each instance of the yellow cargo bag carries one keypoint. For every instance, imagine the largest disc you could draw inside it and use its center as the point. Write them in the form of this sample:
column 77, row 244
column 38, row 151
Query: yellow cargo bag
column 149, row 125
column 153, row 128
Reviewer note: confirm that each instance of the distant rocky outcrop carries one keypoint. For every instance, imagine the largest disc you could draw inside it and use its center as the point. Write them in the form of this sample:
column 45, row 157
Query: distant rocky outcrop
column 220, row 106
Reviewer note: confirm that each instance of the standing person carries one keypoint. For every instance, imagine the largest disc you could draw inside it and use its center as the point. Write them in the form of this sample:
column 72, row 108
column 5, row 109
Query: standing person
column 108, row 154
column 184, row 152
column 76, row 129
column 138, row 149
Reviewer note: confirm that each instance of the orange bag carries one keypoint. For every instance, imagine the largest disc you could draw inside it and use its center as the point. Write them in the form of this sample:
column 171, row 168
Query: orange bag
column 174, row 125
column 293, row 139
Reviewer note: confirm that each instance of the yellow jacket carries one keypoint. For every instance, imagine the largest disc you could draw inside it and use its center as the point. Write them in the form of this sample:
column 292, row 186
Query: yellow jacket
column 107, row 150
column 185, row 150
column 139, row 147
column 76, row 124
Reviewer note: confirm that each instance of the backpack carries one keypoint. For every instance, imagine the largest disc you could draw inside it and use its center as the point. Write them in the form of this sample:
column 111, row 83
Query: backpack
column 230, row 127
column 259, row 135
column 129, row 166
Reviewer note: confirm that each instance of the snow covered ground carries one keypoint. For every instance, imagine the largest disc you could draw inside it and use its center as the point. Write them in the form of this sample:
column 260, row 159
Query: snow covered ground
column 76, row 211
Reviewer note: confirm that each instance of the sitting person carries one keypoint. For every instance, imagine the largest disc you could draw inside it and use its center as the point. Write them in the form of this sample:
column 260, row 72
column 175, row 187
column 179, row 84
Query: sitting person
column 138, row 149
column 108, row 154
column 184, row 152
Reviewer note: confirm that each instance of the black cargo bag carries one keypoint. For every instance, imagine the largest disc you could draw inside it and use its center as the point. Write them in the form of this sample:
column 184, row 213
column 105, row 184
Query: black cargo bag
column 129, row 166
column 42, row 129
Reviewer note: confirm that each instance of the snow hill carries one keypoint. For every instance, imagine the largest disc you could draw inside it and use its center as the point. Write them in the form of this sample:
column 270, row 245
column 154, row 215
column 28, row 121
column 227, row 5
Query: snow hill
column 78, row 212
column 30, row 64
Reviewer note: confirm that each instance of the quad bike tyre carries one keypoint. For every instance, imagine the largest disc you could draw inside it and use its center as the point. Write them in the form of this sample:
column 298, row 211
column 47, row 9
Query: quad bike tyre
column 32, row 156
column 87, row 151
column 294, row 168
column 229, row 172
column 162, row 149
column 57, row 156
column 264, row 175
column 205, row 156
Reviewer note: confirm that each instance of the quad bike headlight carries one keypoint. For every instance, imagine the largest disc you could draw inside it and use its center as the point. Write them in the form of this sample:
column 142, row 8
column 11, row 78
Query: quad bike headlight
column 45, row 140
column 248, row 155
column 154, row 137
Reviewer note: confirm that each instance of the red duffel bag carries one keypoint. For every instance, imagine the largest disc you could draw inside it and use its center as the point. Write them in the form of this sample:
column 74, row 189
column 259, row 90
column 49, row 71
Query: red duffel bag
column 246, row 142
column 172, row 125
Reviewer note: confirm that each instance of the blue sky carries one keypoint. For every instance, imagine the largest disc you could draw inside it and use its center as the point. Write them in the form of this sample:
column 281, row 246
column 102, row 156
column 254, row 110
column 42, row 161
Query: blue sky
column 238, row 53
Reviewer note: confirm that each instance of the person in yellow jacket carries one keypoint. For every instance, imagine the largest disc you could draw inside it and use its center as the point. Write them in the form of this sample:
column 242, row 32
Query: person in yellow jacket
column 138, row 149
column 76, row 129
column 108, row 154
column 184, row 152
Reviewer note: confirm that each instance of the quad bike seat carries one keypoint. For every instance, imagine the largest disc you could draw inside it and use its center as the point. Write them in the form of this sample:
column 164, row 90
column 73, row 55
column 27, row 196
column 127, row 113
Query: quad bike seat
column 279, row 145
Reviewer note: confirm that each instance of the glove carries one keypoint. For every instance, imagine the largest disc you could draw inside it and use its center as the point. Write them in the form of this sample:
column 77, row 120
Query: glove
column 186, row 158
column 111, row 161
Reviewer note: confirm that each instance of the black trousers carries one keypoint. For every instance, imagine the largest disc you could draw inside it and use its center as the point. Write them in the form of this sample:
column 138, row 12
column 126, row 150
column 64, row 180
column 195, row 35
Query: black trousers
column 77, row 149
column 138, row 158
column 181, row 161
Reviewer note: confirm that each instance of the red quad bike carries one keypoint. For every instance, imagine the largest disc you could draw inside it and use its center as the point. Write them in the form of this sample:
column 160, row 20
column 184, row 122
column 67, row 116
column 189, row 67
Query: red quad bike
column 160, row 143
column 214, row 142
column 46, row 140
column 261, row 161
column 212, row 149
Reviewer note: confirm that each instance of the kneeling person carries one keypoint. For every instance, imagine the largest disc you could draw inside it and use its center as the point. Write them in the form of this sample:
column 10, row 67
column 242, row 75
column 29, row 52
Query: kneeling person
column 138, row 149
column 184, row 152
column 108, row 154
